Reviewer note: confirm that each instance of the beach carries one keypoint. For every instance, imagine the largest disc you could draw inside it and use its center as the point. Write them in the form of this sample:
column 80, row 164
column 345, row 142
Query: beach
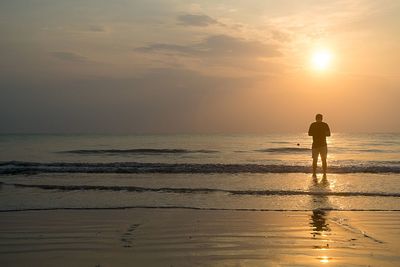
column 183, row 237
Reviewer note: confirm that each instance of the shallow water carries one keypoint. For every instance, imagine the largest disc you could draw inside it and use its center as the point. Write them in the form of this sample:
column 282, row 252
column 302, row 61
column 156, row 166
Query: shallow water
column 239, row 172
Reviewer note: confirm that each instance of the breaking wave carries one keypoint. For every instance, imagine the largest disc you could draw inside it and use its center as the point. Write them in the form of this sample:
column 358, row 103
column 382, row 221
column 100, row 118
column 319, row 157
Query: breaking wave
column 20, row 167
column 285, row 150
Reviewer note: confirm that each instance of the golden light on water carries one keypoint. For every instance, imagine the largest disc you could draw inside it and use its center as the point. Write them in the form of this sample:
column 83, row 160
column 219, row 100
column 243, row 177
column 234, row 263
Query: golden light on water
column 324, row 259
column 321, row 59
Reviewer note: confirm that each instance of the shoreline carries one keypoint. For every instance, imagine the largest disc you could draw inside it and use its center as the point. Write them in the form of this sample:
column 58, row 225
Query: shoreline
column 195, row 209
column 187, row 237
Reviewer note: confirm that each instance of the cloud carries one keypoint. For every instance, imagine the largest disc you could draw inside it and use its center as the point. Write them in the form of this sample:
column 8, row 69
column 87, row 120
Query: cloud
column 69, row 56
column 167, row 48
column 196, row 20
column 280, row 36
column 233, row 46
column 217, row 46
column 96, row 28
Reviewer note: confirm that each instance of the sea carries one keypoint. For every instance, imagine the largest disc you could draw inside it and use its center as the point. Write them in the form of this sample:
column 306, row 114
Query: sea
column 205, row 172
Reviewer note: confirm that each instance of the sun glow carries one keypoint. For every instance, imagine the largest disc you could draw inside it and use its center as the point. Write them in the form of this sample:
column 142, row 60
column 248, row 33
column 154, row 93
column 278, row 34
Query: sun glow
column 321, row 60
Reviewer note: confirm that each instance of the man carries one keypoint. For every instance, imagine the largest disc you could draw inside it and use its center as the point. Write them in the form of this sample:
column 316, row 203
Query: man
column 319, row 131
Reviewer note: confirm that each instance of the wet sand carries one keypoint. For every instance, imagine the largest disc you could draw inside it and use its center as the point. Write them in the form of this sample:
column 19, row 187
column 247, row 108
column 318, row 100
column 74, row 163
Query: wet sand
column 179, row 237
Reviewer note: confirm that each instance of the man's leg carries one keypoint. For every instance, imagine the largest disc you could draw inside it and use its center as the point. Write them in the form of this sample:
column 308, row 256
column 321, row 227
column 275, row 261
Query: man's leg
column 314, row 164
column 324, row 165
column 314, row 153
column 324, row 154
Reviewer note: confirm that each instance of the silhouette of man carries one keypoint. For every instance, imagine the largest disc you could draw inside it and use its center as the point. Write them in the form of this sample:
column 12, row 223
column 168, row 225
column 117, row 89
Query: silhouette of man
column 319, row 131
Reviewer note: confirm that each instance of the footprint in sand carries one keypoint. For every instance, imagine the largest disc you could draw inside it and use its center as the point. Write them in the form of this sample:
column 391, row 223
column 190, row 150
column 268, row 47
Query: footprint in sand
column 127, row 237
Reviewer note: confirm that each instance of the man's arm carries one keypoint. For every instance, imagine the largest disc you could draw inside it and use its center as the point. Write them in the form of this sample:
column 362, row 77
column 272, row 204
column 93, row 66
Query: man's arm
column 310, row 131
column 328, row 131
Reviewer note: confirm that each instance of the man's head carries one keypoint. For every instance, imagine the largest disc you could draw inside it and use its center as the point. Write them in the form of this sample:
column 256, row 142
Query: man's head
column 318, row 117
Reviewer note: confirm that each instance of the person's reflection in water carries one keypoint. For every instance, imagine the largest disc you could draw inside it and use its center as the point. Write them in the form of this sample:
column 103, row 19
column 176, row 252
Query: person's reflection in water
column 318, row 222
column 320, row 229
column 320, row 201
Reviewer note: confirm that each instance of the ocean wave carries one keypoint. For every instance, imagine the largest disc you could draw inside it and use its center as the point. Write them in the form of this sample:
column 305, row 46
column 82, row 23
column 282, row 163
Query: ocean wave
column 202, row 190
column 373, row 150
column 285, row 150
column 19, row 167
column 151, row 151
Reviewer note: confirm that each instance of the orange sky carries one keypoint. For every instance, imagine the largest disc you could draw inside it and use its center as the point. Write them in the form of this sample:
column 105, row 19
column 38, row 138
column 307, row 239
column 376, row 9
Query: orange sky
column 152, row 66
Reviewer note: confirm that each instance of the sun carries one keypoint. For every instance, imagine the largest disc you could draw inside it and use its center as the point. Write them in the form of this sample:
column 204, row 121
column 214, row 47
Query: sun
column 321, row 60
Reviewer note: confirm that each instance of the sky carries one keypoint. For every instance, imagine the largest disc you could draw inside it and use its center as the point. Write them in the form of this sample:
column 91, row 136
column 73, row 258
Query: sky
column 181, row 66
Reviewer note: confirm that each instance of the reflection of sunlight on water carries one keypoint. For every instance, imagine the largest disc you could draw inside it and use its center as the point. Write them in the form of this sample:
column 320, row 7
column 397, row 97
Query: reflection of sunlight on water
column 324, row 259
column 332, row 182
